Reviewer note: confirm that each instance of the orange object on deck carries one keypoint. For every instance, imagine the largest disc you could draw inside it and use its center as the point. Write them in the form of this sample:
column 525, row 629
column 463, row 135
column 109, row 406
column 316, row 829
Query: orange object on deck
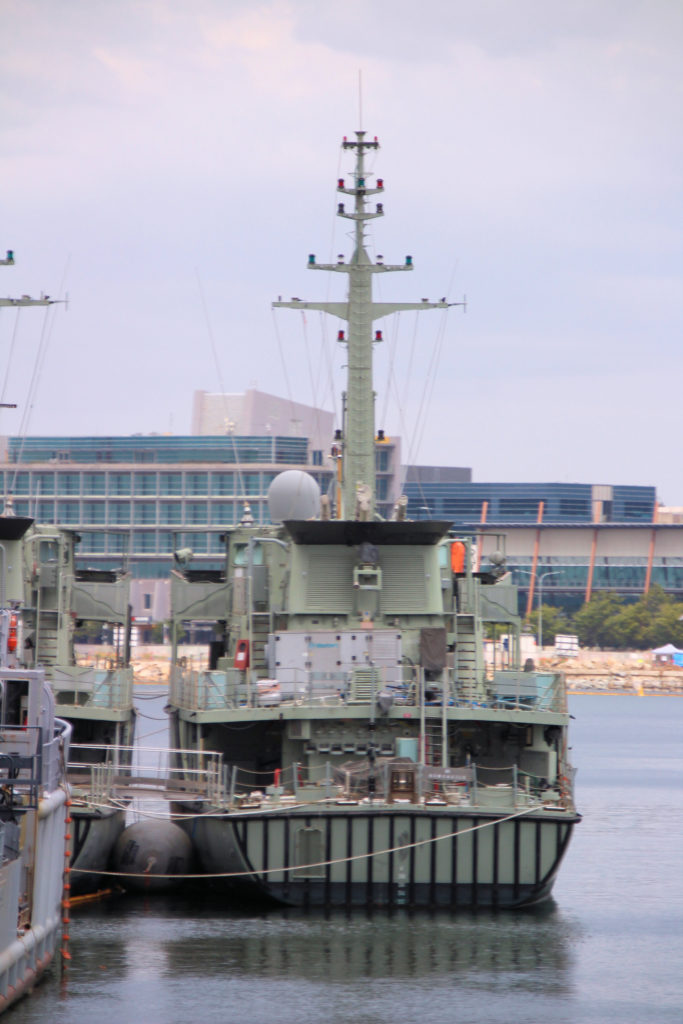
column 457, row 556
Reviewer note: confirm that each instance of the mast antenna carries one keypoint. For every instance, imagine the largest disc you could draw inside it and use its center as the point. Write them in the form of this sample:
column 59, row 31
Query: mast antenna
column 360, row 311
column 360, row 98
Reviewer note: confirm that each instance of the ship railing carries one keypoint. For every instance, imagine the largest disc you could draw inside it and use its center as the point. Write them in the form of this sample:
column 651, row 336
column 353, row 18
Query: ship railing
column 31, row 763
column 302, row 687
column 114, row 690
column 359, row 685
column 112, row 774
column 94, row 687
column 207, row 689
column 56, row 754
column 216, row 689
column 213, row 689
column 359, row 781
column 529, row 691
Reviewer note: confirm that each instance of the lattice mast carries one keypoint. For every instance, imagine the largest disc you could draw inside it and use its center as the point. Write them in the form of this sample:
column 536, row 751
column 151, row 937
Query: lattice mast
column 360, row 312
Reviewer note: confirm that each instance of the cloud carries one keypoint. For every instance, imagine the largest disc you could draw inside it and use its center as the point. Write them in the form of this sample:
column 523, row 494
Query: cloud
column 531, row 160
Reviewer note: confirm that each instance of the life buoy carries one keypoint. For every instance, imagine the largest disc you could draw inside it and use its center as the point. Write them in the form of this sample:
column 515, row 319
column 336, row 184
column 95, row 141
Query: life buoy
column 242, row 655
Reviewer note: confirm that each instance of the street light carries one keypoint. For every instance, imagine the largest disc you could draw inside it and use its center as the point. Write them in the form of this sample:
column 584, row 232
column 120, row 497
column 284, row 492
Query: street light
column 535, row 576
column 540, row 606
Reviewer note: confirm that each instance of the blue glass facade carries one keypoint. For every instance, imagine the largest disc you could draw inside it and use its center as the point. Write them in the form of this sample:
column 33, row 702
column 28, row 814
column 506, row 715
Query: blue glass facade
column 508, row 503
column 140, row 498
column 160, row 448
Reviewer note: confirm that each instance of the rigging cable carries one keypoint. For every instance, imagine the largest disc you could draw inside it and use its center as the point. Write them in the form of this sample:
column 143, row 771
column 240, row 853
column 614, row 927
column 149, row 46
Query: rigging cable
column 45, row 336
column 219, row 375
column 10, row 357
column 43, row 345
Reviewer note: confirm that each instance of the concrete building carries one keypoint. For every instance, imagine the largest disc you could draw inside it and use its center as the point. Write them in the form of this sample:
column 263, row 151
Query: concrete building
column 255, row 413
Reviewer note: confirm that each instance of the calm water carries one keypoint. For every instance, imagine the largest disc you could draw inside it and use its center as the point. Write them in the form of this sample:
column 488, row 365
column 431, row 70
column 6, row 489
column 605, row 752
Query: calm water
column 610, row 947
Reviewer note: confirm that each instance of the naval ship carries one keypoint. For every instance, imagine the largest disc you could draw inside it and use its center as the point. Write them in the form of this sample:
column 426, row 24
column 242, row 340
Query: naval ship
column 96, row 700
column 370, row 756
column 34, row 748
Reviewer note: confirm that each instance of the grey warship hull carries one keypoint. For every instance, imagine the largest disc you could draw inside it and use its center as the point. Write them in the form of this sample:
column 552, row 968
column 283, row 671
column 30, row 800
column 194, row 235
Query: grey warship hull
column 438, row 858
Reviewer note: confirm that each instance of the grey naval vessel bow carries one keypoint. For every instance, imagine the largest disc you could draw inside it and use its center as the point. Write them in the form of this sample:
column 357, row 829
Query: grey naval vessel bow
column 34, row 747
column 369, row 756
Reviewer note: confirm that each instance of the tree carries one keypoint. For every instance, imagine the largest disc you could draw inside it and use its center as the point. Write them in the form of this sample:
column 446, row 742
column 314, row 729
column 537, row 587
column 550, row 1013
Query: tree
column 591, row 621
column 555, row 620
column 608, row 621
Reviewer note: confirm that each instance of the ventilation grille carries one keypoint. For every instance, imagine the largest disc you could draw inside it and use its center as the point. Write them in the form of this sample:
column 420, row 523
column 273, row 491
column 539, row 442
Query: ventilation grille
column 329, row 584
column 404, row 583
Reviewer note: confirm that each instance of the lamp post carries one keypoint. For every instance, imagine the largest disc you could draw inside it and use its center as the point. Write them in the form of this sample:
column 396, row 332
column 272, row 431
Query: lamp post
column 525, row 572
column 540, row 607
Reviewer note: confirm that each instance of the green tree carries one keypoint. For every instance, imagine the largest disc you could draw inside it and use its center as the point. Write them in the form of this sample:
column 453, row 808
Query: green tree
column 608, row 621
column 555, row 620
column 591, row 621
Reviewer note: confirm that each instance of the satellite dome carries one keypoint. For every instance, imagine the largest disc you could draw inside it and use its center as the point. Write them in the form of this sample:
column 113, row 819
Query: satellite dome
column 293, row 495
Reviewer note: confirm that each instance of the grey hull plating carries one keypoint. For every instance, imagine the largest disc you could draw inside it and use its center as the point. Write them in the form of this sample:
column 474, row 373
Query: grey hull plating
column 487, row 863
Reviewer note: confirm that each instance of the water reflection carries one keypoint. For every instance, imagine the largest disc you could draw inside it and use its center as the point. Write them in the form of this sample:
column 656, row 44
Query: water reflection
column 182, row 938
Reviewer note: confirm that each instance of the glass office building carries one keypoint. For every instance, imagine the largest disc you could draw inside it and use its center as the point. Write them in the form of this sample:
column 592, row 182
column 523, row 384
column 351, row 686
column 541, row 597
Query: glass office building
column 569, row 540
column 138, row 499
column 470, row 503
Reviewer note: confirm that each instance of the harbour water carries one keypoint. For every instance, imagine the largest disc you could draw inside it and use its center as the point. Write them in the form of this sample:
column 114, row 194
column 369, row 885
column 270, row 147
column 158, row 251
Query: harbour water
column 609, row 947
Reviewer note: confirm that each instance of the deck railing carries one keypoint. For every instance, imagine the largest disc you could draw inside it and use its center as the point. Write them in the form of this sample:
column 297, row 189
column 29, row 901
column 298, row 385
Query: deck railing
column 107, row 774
column 211, row 690
column 96, row 687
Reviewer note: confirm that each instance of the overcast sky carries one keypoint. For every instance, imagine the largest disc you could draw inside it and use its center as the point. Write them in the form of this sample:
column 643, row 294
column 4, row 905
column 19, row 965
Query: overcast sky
column 170, row 164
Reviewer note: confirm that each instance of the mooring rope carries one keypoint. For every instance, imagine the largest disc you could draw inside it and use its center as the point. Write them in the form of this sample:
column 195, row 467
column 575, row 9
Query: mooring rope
column 254, row 872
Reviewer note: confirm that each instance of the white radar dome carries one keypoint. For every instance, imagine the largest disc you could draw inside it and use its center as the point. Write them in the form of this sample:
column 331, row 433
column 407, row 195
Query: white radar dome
column 293, row 495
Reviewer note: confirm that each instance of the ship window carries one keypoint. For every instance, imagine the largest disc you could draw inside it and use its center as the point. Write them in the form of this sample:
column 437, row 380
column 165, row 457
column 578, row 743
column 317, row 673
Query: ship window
column 309, row 853
column 48, row 552
column 240, row 555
